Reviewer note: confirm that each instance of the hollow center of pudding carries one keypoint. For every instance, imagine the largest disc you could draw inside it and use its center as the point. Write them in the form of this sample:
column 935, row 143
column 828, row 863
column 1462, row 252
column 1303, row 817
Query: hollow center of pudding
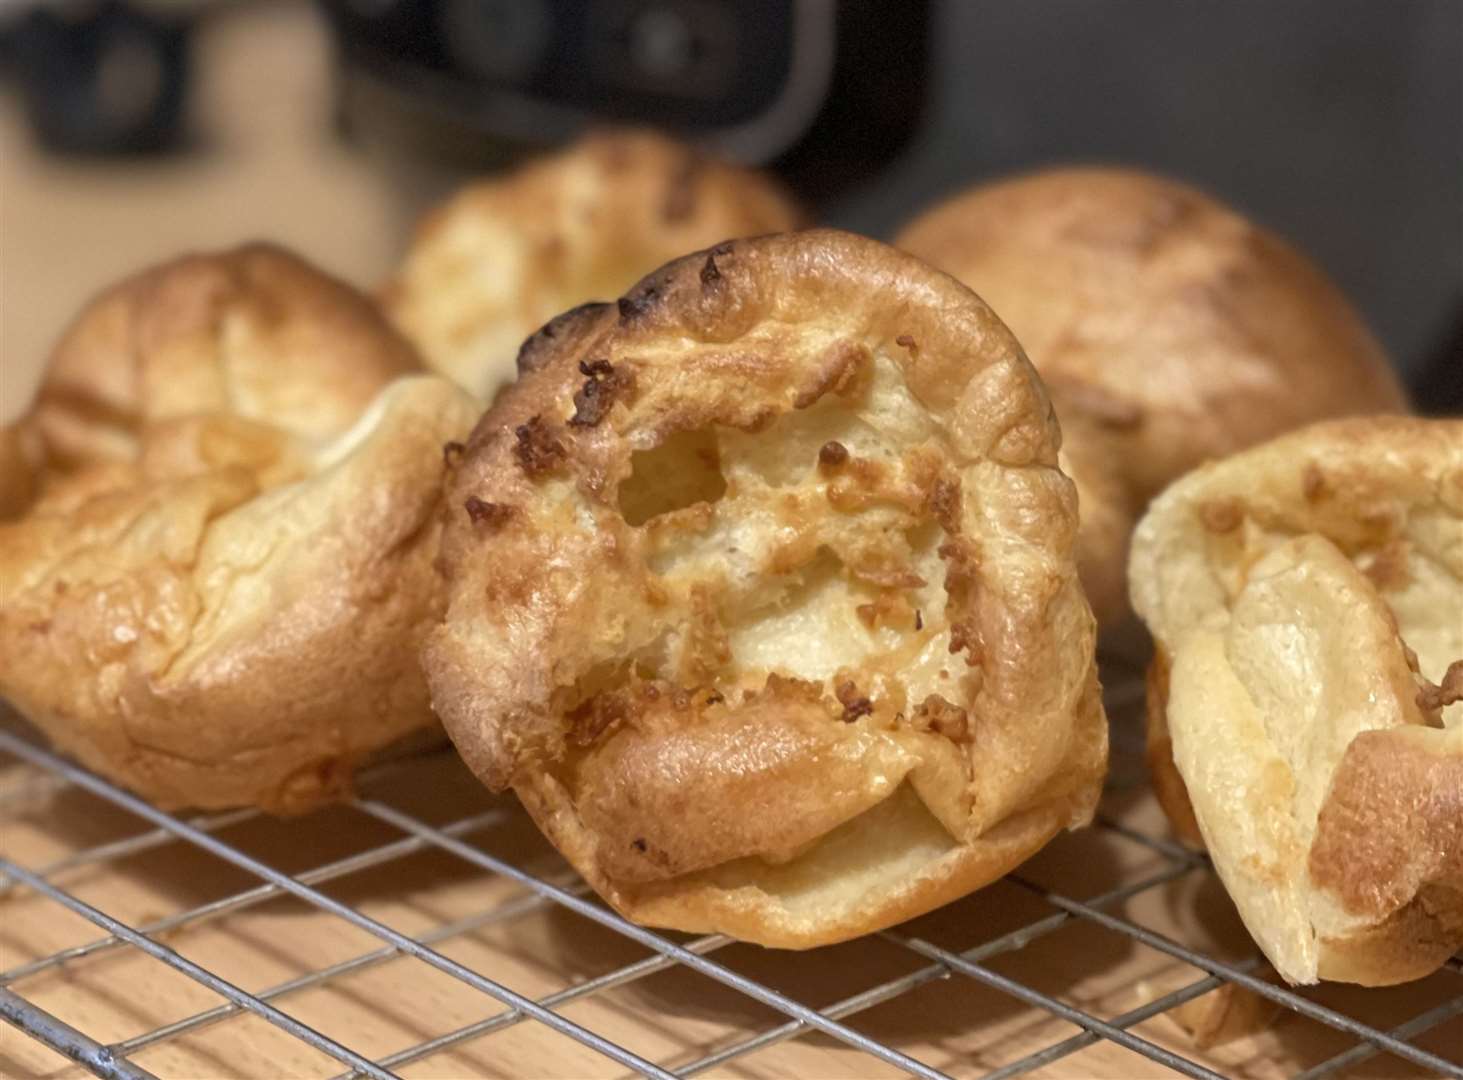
column 796, row 662
column 808, row 549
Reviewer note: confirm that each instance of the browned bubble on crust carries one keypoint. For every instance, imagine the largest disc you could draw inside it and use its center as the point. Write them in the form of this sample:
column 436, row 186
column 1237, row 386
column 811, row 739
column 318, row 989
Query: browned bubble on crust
column 942, row 717
column 832, row 454
column 637, row 304
column 604, row 384
column 854, row 704
column 490, row 514
column 537, row 450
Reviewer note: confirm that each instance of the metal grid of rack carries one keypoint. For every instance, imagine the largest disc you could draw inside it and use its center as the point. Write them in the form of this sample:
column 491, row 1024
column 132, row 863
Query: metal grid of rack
column 1354, row 1036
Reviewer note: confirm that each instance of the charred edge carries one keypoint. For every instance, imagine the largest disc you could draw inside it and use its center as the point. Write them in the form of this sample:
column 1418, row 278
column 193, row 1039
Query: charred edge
column 919, row 620
column 832, row 454
column 481, row 512
column 854, row 704
column 537, row 450
column 534, row 350
column 452, row 454
column 710, row 275
column 603, row 386
column 638, row 304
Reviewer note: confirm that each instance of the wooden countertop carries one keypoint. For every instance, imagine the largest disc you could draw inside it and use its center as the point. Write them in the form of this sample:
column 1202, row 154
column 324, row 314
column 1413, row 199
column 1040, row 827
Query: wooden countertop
column 671, row 1016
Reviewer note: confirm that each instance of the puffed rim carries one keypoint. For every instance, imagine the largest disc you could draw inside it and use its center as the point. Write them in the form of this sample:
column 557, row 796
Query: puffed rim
column 549, row 588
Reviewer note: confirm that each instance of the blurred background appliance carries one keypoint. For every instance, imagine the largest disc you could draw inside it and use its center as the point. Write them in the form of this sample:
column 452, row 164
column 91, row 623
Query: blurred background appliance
column 1337, row 122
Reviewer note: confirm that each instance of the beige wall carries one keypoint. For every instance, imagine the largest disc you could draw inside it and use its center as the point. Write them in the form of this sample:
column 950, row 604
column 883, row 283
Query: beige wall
column 266, row 166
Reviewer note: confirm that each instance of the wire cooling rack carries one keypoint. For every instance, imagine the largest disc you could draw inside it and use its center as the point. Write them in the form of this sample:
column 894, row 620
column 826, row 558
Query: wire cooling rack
column 425, row 929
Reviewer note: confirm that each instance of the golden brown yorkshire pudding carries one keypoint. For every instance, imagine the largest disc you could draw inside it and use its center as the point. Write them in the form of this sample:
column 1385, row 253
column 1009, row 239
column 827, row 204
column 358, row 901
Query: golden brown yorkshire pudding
column 1306, row 705
column 209, row 607
column 1168, row 329
column 254, row 333
column 761, row 595
column 503, row 256
column 20, row 460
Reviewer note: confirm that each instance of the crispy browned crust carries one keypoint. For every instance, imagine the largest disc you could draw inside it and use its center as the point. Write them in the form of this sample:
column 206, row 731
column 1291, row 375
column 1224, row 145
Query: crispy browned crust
column 810, row 427
column 254, row 333
column 1387, row 849
column 218, row 597
column 1389, row 846
column 1181, row 329
column 503, row 255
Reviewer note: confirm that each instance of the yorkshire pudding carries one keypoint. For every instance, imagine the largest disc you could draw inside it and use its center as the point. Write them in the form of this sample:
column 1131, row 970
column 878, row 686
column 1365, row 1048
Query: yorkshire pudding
column 217, row 594
column 1306, row 702
column 1169, row 330
column 502, row 256
column 762, row 597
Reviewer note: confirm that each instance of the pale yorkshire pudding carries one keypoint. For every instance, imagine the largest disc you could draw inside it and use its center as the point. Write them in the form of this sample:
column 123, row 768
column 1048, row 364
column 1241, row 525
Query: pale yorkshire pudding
column 504, row 255
column 217, row 595
column 1306, row 701
column 1169, row 331
column 762, row 598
